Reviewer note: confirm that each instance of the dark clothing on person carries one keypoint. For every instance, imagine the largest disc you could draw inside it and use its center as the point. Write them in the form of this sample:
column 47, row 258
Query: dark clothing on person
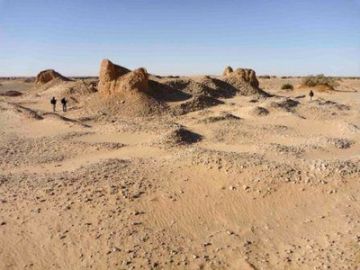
column 311, row 94
column 53, row 102
column 64, row 103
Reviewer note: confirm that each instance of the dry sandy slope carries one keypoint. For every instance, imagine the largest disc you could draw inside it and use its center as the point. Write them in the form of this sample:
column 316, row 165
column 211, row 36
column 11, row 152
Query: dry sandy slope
column 275, row 191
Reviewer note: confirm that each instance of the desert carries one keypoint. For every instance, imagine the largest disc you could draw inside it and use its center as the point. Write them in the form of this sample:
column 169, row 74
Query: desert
column 142, row 171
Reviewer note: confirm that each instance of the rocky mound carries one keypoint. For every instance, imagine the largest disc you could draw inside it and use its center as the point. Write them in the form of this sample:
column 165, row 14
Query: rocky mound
column 259, row 111
column 247, row 75
column 179, row 136
column 324, row 109
column 340, row 143
column 76, row 90
column 228, row 70
column 331, row 104
column 286, row 104
column 11, row 93
column 162, row 90
column 124, row 93
column 117, row 106
column 206, row 85
column 222, row 117
column 196, row 103
column 117, row 80
column 188, row 86
column 48, row 75
column 219, row 88
column 244, row 81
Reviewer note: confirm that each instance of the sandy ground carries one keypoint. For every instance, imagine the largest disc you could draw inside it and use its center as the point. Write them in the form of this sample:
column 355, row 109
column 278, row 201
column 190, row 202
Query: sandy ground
column 257, row 191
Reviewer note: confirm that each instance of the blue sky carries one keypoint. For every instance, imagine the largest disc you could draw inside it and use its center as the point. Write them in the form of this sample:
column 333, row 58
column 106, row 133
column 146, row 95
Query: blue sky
column 180, row 36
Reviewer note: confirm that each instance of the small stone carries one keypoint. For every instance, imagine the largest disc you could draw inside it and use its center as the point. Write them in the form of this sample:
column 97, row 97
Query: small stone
column 247, row 242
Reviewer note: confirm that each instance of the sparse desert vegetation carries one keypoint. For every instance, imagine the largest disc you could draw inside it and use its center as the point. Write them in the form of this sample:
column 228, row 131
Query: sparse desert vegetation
column 287, row 86
column 321, row 81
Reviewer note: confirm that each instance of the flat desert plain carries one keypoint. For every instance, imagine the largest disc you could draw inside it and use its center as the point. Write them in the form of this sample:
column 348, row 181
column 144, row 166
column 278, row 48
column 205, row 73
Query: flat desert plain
column 197, row 176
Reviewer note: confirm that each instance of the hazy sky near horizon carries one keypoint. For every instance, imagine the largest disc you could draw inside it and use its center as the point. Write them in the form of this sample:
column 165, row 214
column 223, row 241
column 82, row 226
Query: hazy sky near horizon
column 180, row 37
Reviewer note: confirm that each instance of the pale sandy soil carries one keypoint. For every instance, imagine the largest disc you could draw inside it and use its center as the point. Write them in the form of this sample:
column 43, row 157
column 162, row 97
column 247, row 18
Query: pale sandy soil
column 275, row 191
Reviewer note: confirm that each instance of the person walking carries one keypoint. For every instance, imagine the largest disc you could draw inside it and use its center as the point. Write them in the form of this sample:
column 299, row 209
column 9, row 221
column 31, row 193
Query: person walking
column 311, row 94
column 53, row 103
column 64, row 103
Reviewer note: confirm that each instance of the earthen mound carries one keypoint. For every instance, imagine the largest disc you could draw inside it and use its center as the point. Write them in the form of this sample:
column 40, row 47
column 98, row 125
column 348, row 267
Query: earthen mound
column 124, row 92
column 11, row 93
column 179, row 136
column 244, row 81
column 196, row 103
column 331, row 104
column 205, row 85
column 218, row 88
column 77, row 89
column 259, row 111
column 244, row 74
column 162, row 91
column 287, row 104
column 189, row 86
column 117, row 80
column 228, row 70
column 49, row 75
column 325, row 109
column 223, row 117
column 341, row 143
column 120, row 106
